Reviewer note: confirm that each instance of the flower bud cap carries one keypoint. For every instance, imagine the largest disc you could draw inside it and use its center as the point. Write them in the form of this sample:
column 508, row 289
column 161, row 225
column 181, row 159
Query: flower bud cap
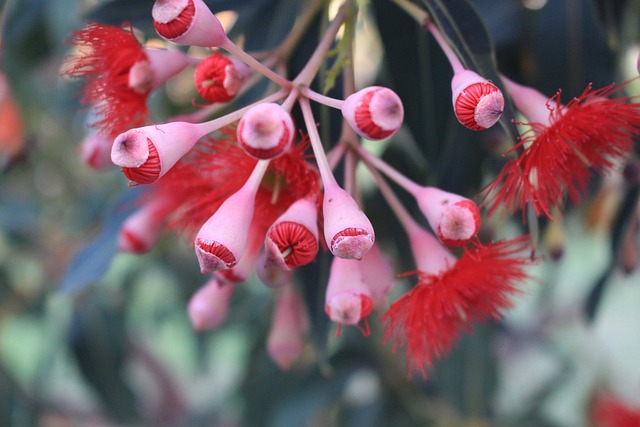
column 477, row 103
column 187, row 22
column 266, row 131
column 374, row 112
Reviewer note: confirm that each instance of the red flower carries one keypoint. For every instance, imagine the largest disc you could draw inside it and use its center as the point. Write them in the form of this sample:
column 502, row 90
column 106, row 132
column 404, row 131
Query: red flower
column 591, row 132
column 609, row 411
column 428, row 319
column 105, row 66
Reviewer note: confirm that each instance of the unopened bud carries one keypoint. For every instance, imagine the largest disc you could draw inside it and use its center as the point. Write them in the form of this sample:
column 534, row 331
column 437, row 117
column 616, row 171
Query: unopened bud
column 187, row 22
column 218, row 78
column 266, row 131
column 374, row 112
column 477, row 103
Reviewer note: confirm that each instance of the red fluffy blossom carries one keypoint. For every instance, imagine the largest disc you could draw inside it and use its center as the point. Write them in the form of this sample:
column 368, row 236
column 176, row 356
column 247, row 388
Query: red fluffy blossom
column 428, row 319
column 217, row 168
column 590, row 133
column 609, row 411
column 106, row 58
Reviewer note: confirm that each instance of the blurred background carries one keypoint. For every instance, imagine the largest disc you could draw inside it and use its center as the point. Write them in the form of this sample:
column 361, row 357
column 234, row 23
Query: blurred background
column 89, row 336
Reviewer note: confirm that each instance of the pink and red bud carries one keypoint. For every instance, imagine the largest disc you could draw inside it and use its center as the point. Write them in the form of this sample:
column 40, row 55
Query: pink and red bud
column 187, row 22
column 218, row 78
column 95, row 151
column 348, row 299
column 292, row 240
column 147, row 153
column 222, row 240
column 271, row 275
column 374, row 112
column 347, row 230
column 454, row 219
column 477, row 103
column 266, row 131
column 289, row 325
column 378, row 274
column 141, row 230
column 209, row 306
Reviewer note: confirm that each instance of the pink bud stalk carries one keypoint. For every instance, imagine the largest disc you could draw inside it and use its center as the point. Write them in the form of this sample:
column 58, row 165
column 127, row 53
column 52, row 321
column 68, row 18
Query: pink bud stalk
column 378, row 273
column 95, row 151
column 454, row 219
column 222, row 240
column 532, row 104
column 141, row 230
column 374, row 112
column 147, row 153
column 347, row 230
column 292, row 240
column 289, row 324
column 348, row 298
column 271, row 275
column 477, row 103
column 209, row 306
column 266, row 131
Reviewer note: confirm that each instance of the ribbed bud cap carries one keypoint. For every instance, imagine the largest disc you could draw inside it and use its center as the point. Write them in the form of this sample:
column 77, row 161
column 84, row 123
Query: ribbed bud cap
column 374, row 112
column 292, row 240
column 218, row 78
column 266, row 131
column 347, row 230
column 454, row 219
column 209, row 306
column 147, row 153
column 477, row 103
column 187, row 22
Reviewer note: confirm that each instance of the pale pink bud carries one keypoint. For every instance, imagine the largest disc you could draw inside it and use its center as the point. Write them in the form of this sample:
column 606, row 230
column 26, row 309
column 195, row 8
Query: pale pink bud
column 347, row 230
column 292, row 240
column 141, row 230
column 187, row 22
column 165, row 64
column 222, row 240
column 289, row 325
column 374, row 112
column 218, row 78
column 271, row 275
column 477, row 103
column 209, row 306
column 378, row 274
column 454, row 219
column 266, row 131
column 531, row 103
column 429, row 254
column 95, row 151
column 348, row 299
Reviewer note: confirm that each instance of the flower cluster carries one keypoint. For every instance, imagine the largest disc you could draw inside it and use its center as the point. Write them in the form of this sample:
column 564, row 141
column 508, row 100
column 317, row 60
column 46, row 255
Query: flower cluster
column 251, row 199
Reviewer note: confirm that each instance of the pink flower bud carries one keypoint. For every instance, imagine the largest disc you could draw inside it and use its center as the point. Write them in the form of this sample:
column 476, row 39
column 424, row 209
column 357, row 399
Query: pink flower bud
column 348, row 299
column 164, row 64
column 347, row 230
column 141, row 230
column 378, row 274
column 477, row 103
column 266, row 131
column 292, row 240
column 454, row 219
column 218, row 78
column 95, row 151
column 208, row 307
column 374, row 112
column 147, row 153
column 272, row 275
column 429, row 254
column 222, row 240
column 247, row 263
column 289, row 325
column 187, row 22
column 532, row 104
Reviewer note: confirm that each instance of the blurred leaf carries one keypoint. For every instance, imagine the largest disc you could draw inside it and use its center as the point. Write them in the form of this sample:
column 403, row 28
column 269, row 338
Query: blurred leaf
column 611, row 13
column 93, row 260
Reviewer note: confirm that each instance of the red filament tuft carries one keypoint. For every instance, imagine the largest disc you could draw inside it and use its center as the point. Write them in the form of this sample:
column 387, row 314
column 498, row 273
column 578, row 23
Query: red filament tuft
column 428, row 319
column 296, row 243
column 178, row 25
column 149, row 171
